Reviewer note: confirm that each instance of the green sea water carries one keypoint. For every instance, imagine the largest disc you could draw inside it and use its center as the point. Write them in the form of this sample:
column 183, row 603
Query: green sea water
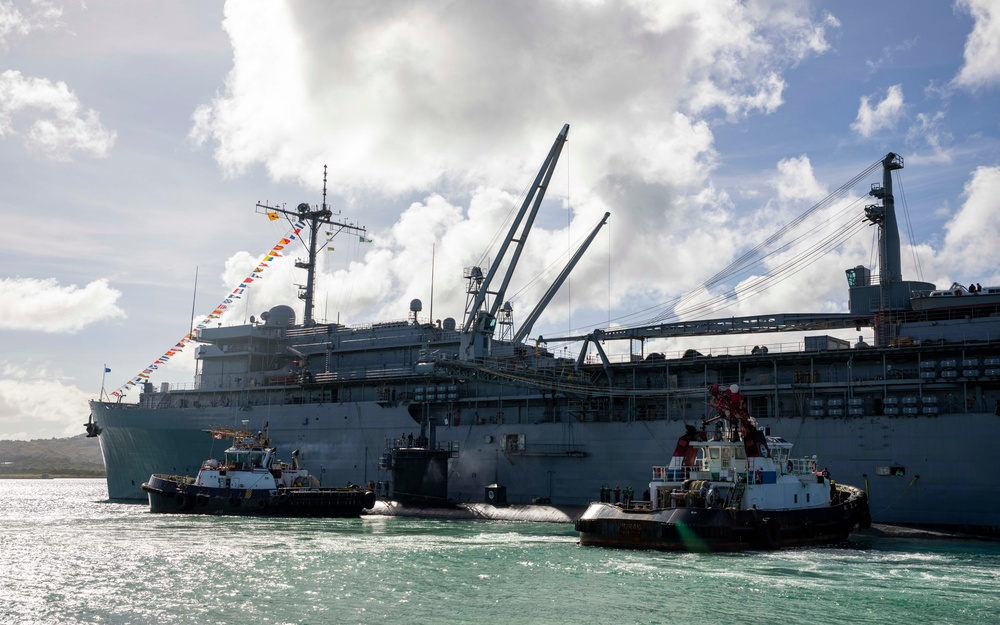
column 67, row 555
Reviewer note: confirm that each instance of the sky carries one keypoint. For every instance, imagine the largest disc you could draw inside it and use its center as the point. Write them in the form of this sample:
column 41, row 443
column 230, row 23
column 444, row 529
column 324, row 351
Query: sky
column 138, row 137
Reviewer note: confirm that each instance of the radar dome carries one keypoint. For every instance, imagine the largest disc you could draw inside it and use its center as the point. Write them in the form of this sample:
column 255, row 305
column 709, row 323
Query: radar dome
column 280, row 315
column 416, row 305
column 449, row 323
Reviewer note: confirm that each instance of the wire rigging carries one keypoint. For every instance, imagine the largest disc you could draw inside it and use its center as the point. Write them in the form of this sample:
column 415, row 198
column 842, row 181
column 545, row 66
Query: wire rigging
column 787, row 239
column 909, row 227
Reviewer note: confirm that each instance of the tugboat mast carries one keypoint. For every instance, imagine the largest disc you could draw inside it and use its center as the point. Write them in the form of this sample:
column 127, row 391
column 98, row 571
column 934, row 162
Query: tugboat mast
column 313, row 218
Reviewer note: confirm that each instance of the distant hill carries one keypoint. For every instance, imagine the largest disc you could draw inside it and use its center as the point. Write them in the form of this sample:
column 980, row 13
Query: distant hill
column 78, row 456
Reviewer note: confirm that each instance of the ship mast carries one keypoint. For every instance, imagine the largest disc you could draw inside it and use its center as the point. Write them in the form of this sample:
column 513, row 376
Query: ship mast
column 313, row 218
column 891, row 295
column 890, row 265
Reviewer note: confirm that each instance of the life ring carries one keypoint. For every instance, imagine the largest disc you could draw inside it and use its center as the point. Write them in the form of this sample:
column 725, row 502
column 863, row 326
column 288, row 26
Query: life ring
column 958, row 292
column 812, row 466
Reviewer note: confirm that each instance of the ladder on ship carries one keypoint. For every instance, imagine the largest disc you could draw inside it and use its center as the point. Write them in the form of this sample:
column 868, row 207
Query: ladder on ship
column 736, row 495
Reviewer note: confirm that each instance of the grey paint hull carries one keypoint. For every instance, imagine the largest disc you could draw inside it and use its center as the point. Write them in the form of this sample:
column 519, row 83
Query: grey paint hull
column 942, row 484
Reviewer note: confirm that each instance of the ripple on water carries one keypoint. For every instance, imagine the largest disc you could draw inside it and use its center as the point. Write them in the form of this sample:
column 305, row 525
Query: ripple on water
column 69, row 556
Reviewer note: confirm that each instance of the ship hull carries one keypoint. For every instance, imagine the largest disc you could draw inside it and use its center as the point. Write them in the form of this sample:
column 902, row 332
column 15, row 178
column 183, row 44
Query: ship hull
column 704, row 529
column 177, row 495
column 917, row 469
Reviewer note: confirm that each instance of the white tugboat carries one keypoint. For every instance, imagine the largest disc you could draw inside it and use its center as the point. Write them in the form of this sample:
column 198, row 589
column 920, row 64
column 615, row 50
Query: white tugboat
column 733, row 489
column 250, row 480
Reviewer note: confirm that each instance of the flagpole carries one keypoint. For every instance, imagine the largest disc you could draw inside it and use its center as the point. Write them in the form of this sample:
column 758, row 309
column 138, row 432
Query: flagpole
column 194, row 298
column 104, row 372
column 433, row 246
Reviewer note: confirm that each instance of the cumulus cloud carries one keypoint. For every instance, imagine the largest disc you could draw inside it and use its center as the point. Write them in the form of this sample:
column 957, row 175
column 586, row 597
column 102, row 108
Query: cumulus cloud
column 46, row 306
column 971, row 231
column 930, row 130
column 41, row 15
column 39, row 403
column 49, row 120
column 795, row 180
column 45, row 116
column 885, row 114
column 982, row 48
column 394, row 96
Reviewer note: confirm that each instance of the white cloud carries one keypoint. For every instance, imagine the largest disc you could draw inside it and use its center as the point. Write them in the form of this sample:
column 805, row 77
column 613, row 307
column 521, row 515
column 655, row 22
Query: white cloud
column 795, row 180
column 394, row 97
column 12, row 22
column 41, row 15
column 39, row 404
column 45, row 306
column 930, row 130
column 885, row 114
column 56, row 125
column 973, row 233
column 982, row 48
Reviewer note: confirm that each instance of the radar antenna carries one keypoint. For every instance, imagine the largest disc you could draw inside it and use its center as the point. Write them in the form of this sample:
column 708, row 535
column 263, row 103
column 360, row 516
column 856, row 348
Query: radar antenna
column 313, row 218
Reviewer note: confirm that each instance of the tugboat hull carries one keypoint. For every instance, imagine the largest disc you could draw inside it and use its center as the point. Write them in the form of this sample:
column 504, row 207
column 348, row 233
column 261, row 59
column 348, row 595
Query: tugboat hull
column 718, row 529
column 178, row 495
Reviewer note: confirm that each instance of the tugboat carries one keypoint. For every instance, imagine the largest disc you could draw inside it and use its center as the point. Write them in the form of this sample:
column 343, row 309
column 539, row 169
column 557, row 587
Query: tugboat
column 735, row 489
column 250, row 480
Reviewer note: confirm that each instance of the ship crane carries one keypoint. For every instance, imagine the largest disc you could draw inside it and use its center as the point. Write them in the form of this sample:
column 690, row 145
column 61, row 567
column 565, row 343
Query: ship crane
column 481, row 317
column 525, row 329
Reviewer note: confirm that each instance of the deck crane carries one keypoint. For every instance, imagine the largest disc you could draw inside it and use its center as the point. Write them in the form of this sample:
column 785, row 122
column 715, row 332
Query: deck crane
column 525, row 328
column 481, row 316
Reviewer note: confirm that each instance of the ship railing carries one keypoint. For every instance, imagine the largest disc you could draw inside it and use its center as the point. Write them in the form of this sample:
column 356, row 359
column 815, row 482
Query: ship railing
column 363, row 373
column 801, row 466
column 672, row 474
column 731, row 350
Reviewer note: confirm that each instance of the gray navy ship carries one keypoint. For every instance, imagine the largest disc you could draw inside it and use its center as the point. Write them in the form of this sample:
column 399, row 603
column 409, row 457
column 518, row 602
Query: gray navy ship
column 475, row 411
